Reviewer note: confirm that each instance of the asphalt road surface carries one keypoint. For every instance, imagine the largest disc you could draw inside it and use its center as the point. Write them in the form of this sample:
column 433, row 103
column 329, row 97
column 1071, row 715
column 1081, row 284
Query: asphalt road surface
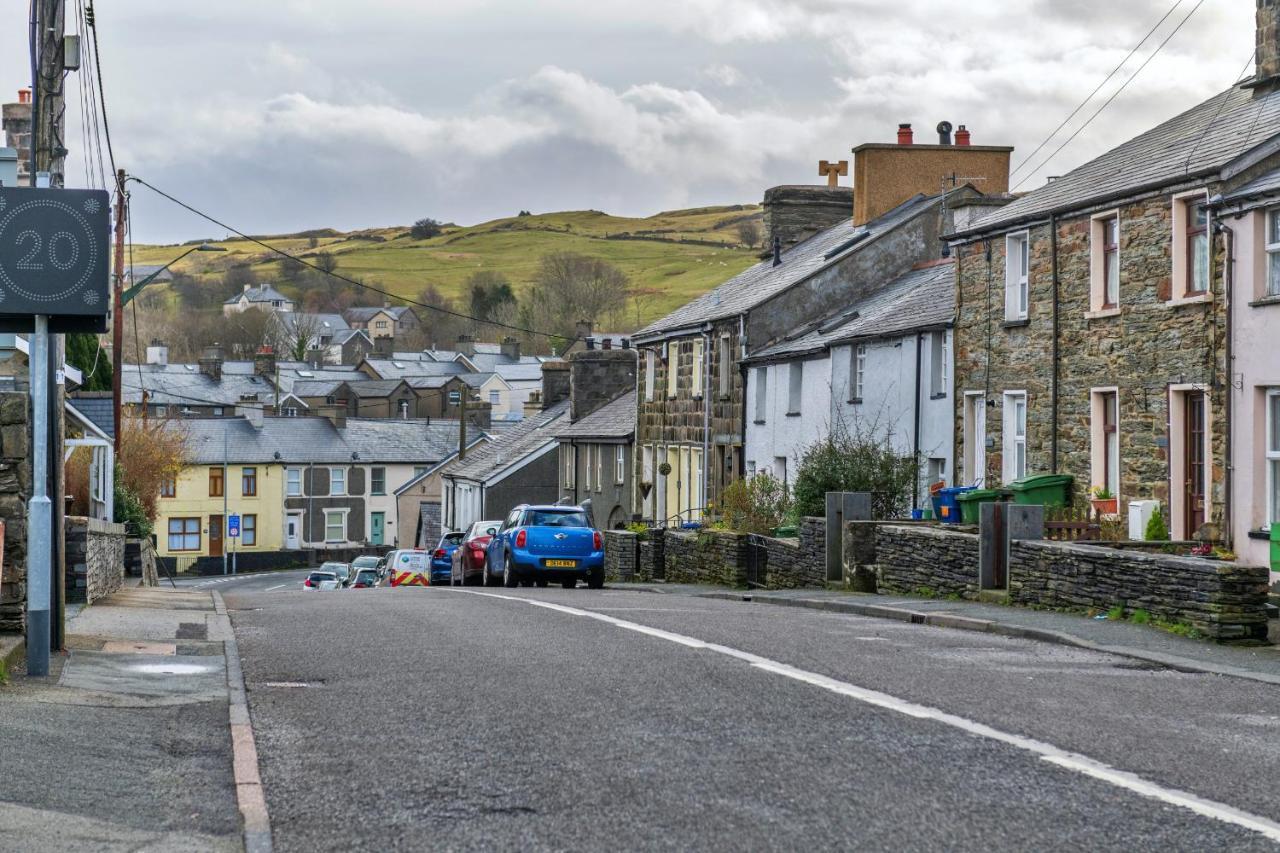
column 586, row 720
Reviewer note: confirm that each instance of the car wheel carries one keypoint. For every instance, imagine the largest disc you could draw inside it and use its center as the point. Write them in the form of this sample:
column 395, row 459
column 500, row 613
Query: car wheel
column 596, row 579
column 570, row 583
column 541, row 584
column 509, row 579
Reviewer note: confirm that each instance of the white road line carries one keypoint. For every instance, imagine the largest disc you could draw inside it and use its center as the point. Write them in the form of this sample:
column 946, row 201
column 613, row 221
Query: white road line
column 1047, row 752
column 277, row 586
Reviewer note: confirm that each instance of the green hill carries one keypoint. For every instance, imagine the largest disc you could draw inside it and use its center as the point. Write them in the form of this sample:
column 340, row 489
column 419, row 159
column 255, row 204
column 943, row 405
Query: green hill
column 671, row 257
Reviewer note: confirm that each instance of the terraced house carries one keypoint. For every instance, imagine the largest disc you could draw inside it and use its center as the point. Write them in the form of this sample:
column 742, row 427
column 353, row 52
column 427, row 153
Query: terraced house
column 1092, row 333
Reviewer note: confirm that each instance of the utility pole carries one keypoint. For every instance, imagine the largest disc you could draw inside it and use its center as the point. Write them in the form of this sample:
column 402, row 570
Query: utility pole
column 462, row 424
column 47, row 147
column 226, row 486
column 117, row 307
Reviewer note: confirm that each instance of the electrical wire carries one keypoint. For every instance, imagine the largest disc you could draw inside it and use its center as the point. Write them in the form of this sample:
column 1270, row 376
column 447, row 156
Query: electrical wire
column 346, row 279
column 92, row 19
column 1081, row 105
column 1114, row 94
column 1222, row 103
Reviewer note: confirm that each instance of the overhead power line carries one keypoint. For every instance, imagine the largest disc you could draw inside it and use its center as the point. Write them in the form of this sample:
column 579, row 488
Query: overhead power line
column 348, row 280
column 1114, row 94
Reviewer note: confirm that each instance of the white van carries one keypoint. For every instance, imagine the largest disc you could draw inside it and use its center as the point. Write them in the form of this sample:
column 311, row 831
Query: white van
column 409, row 568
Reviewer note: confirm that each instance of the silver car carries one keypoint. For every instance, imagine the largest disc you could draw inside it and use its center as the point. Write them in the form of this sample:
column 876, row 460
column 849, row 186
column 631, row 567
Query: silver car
column 342, row 570
column 320, row 580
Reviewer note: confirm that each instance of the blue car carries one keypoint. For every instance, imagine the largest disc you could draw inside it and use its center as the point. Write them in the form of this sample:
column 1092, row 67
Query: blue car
column 442, row 557
column 540, row 544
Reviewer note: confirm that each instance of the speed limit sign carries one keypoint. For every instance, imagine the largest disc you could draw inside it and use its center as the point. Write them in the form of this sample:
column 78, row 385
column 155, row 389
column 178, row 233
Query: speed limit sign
column 54, row 252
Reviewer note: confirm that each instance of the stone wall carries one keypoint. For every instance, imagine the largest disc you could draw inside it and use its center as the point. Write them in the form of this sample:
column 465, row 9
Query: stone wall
column 15, row 490
column 801, row 562
column 621, row 553
column 651, row 558
column 706, row 556
column 1222, row 600
column 796, row 211
column 915, row 558
column 95, row 558
column 597, row 377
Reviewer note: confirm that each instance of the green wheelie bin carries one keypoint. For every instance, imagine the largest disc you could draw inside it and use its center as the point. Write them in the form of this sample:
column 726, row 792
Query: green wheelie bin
column 1043, row 489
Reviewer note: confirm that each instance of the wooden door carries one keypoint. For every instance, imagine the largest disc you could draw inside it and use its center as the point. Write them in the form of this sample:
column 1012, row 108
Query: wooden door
column 1195, row 463
column 216, row 529
column 377, row 528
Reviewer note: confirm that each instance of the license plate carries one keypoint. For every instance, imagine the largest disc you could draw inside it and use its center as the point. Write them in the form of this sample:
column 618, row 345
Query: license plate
column 562, row 564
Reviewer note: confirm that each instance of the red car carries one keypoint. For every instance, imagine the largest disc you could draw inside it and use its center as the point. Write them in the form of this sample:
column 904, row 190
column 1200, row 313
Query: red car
column 468, row 558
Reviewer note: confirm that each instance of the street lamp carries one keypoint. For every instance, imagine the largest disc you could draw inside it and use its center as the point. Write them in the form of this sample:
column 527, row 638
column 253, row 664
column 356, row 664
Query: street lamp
column 122, row 298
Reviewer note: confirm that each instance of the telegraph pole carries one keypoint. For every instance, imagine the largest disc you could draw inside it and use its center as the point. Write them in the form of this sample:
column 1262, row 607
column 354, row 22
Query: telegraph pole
column 117, row 307
column 462, row 423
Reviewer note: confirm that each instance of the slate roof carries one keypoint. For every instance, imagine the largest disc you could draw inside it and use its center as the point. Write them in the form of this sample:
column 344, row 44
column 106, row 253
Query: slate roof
column 315, row 387
column 511, row 445
column 1263, row 185
column 523, row 372
column 98, row 408
column 375, row 387
column 919, row 299
column 763, row 281
column 1200, row 141
column 137, row 272
column 616, row 419
column 322, row 323
column 395, row 369
column 472, row 444
column 166, row 386
column 317, row 441
column 261, row 293
column 364, row 313
column 341, row 336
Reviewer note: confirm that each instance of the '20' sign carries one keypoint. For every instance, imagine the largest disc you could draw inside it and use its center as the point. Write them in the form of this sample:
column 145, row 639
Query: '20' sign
column 59, row 260
column 53, row 252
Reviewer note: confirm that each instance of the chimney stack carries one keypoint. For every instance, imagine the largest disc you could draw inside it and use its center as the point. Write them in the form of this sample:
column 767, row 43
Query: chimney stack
column 211, row 362
column 337, row 415
column 556, row 383
column 264, row 362
column 582, row 329
column 158, row 353
column 1267, row 55
column 24, row 96
column 466, row 345
column 315, row 358
column 944, row 133
column 905, row 136
column 597, row 377
column 511, row 348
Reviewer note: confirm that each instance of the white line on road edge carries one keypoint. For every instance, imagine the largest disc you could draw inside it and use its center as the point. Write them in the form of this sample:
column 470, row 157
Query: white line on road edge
column 244, row 752
column 1046, row 752
column 277, row 586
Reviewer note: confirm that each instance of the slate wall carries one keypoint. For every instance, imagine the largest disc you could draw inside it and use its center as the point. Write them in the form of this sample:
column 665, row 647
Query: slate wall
column 15, row 490
column 94, row 558
column 621, row 555
column 706, row 556
column 800, row 562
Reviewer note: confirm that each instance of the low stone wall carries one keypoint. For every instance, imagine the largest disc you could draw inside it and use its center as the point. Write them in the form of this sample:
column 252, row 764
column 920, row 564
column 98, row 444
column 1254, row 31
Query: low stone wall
column 15, row 490
column 1224, row 601
column 705, row 556
column 800, row 562
column 95, row 558
column 621, row 553
column 916, row 558
column 651, row 557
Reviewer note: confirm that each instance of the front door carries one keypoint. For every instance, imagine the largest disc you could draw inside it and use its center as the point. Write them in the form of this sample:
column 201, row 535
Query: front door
column 377, row 526
column 975, row 440
column 216, row 529
column 291, row 525
column 1195, row 463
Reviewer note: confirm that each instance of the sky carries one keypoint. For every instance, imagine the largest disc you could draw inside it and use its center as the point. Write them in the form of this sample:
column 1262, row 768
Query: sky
column 287, row 115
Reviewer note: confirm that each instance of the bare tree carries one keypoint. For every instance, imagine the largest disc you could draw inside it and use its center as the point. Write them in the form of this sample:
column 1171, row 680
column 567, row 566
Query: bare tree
column 569, row 287
column 439, row 329
column 749, row 233
column 326, row 261
column 296, row 334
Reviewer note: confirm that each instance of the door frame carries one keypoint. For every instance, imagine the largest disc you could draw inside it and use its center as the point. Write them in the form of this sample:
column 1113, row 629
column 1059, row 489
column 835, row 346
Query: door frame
column 294, row 518
column 220, row 529
column 380, row 514
column 1177, row 514
column 975, row 438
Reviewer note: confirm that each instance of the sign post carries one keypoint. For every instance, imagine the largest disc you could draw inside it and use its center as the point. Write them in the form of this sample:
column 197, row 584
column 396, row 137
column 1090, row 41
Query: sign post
column 53, row 271
column 233, row 531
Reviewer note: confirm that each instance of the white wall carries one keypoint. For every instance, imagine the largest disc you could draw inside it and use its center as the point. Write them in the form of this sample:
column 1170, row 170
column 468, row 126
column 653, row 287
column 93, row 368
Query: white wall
column 783, row 435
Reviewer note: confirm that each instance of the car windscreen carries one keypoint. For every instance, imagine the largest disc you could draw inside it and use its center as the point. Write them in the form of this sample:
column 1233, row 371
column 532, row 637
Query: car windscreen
column 555, row 518
column 316, row 577
column 452, row 538
column 365, row 562
column 366, row 576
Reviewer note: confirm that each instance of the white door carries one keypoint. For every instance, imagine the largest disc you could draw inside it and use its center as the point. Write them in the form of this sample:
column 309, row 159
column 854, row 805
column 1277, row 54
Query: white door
column 975, row 440
column 291, row 525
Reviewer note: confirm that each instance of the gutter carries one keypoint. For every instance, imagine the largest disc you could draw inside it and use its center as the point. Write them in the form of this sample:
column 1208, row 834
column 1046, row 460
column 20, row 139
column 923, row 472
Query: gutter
column 706, row 415
column 1053, row 397
column 743, row 372
column 915, row 425
column 1228, row 286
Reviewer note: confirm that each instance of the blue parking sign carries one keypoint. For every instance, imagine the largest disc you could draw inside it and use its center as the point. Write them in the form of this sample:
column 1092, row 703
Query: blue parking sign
column 233, row 526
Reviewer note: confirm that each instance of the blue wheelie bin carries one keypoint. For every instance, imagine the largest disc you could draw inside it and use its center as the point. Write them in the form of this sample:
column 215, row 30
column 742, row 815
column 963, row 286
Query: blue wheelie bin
column 945, row 507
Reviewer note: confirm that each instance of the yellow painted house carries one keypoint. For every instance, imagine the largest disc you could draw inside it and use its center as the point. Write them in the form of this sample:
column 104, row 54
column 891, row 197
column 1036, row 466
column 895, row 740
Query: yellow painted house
column 192, row 510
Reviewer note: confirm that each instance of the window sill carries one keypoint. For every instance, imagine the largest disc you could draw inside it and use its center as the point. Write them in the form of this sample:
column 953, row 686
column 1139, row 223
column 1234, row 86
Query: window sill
column 1260, row 534
column 854, row 401
column 1102, row 313
column 1017, row 324
column 758, row 423
column 1197, row 299
column 938, row 396
column 793, row 414
column 1265, row 301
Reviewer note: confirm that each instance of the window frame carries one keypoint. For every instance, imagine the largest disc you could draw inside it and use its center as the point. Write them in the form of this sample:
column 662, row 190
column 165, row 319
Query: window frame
column 1271, row 252
column 699, row 367
column 376, row 473
column 1104, row 257
column 570, row 465
column 650, row 372
column 762, row 394
column 169, row 487
column 1191, row 235
column 620, row 465
column 1011, row 440
column 289, row 474
column 673, row 369
column 184, row 533
column 249, row 481
column 795, row 388
column 341, row 472
column 1110, row 261
column 1017, row 285
column 249, row 530
column 938, row 367
column 1271, row 453
column 599, row 468
column 857, row 372
column 341, row 513
column 725, row 357
column 216, row 475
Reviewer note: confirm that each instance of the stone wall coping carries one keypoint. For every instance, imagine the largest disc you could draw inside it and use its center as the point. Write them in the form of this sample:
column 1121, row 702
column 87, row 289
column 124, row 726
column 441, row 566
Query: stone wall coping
column 1170, row 560
column 922, row 529
column 97, row 525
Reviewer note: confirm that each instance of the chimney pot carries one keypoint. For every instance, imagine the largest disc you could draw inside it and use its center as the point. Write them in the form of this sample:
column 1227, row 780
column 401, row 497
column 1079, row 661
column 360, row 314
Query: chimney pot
column 962, row 135
column 905, row 135
column 944, row 133
column 24, row 96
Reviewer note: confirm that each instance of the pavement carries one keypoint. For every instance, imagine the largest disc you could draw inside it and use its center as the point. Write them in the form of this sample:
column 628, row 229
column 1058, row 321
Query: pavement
column 126, row 744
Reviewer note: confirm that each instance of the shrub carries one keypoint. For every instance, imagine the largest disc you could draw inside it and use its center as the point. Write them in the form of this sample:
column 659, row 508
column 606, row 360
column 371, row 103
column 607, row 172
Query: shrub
column 1156, row 530
column 856, row 461
column 129, row 510
column 755, row 505
column 425, row 229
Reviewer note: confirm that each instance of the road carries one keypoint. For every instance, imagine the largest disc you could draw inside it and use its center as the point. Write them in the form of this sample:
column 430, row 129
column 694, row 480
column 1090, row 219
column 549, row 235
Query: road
column 555, row 719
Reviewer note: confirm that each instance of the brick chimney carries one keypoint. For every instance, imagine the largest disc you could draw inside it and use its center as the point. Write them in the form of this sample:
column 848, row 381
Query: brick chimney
column 211, row 362
column 315, row 358
column 264, row 362
column 598, row 376
column 16, row 119
column 1267, row 56
column 511, row 348
column 582, row 329
column 466, row 345
column 885, row 175
column 556, row 383
column 337, row 415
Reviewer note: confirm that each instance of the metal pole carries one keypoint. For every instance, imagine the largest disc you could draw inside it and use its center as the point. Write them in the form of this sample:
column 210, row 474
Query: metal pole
column 222, row 534
column 39, row 508
column 117, row 309
column 462, row 423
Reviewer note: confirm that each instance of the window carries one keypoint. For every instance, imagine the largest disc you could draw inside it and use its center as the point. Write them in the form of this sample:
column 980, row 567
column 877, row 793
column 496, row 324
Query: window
column 455, row 398
column 168, row 487
column 215, row 482
column 378, row 481
column 673, row 366
column 293, row 482
column 1015, row 436
column 337, row 481
column 650, row 372
column 249, row 530
column 1273, row 456
column 795, row 386
column 599, row 468
column 335, row 526
column 184, row 534
column 857, row 371
column 380, row 324
column 567, row 451
column 586, row 467
column 937, row 364
column 751, row 467
column 419, row 470
column 937, row 471
column 646, row 475
column 1104, row 262
column 249, row 482
column 404, row 409
column 762, row 393
column 289, row 412
column 620, row 464
column 1197, row 246
column 780, row 469
column 217, row 411
column 724, row 366
column 160, row 410
column 1273, row 252
column 493, row 398
column 1017, row 268
column 698, row 366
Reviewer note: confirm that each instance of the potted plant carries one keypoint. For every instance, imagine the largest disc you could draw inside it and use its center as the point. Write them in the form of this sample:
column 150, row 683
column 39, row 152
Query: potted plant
column 1104, row 502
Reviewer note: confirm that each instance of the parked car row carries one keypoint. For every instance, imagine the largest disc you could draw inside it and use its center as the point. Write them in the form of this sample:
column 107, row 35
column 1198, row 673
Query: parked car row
column 364, row 572
column 533, row 545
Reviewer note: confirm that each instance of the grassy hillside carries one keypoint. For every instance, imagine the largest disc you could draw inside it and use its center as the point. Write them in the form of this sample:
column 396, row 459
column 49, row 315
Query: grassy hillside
column 674, row 256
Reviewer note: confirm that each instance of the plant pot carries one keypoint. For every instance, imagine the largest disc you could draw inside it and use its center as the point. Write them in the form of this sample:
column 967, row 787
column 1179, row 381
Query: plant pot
column 1106, row 506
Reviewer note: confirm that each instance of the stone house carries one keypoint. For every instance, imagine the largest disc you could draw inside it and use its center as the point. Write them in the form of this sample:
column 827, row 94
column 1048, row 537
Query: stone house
column 691, row 412
column 419, row 514
column 262, row 296
column 880, row 367
column 387, row 321
column 1091, row 329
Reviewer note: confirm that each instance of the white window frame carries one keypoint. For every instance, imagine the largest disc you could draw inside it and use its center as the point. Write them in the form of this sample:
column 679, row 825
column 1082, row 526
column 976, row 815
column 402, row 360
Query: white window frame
column 1099, row 451
column 341, row 513
column 1181, row 274
column 937, row 365
column 1271, row 452
column 975, row 439
column 1011, row 440
column 762, row 394
column 857, row 372
column 1271, row 261
column 699, row 357
column 724, row 365
column 673, row 367
column 795, row 387
column 650, row 372
column 249, row 530
column 293, row 482
column 599, row 468
column 570, row 466
column 620, row 464
column 373, row 490
column 1017, row 277
column 337, row 474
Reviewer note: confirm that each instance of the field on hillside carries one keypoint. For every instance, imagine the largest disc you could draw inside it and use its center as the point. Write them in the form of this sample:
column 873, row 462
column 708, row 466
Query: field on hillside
column 673, row 256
